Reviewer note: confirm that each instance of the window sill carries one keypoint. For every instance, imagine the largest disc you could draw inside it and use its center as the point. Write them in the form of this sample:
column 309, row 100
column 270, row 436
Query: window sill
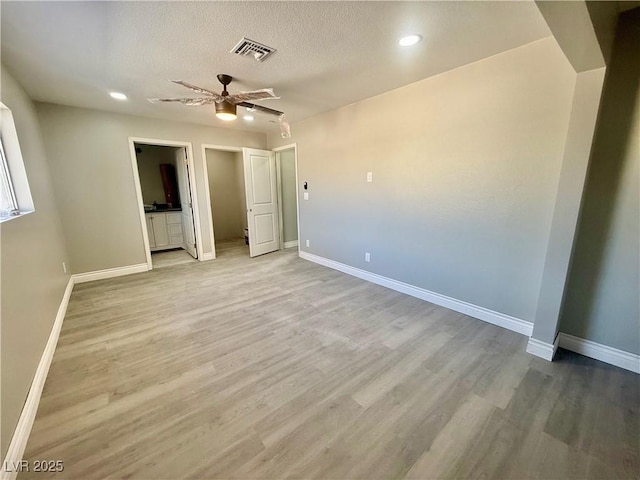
column 13, row 217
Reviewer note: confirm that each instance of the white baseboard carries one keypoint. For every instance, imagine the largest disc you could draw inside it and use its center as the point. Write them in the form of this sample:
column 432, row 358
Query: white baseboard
column 207, row 256
column 481, row 313
column 291, row 244
column 542, row 349
column 610, row 355
column 30, row 408
column 110, row 273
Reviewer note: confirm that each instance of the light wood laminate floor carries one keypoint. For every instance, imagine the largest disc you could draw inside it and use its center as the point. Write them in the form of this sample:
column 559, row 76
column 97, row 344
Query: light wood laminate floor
column 275, row 367
column 233, row 248
column 171, row 258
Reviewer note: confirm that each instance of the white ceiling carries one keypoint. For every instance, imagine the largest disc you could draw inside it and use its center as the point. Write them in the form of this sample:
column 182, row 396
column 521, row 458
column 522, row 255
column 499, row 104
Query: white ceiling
column 329, row 54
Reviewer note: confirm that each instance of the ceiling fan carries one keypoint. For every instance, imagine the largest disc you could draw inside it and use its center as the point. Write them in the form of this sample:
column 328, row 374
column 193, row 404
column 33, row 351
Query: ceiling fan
column 226, row 103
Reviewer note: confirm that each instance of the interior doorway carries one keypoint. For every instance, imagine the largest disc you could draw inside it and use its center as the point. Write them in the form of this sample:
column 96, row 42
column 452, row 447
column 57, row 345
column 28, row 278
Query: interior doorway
column 165, row 187
column 252, row 199
column 227, row 201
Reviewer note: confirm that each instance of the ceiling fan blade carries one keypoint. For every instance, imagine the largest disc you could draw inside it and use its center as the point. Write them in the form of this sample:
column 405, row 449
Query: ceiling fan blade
column 194, row 102
column 200, row 90
column 260, row 108
column 285, row 129
column 263, row 94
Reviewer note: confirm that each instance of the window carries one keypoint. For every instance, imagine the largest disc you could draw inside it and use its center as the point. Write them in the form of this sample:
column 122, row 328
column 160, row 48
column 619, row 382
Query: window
column 15, row 196
column 8, row 202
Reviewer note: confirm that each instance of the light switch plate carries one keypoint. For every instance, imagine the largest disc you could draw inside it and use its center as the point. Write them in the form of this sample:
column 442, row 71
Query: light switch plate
column 306, row 195
column 369, row 177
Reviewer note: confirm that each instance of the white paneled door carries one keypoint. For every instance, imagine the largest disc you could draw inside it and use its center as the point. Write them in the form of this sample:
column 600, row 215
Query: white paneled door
column 262, row 206
column 186, row 200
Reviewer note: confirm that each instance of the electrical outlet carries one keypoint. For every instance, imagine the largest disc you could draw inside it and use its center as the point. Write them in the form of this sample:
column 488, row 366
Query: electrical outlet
column 306, row 195
column 307, row 243
column 369, row 177
column 64, row 267
column 367, row 257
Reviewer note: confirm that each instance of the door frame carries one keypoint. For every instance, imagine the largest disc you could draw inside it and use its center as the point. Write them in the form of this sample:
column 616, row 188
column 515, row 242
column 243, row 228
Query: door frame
column 207, row 188
column 277, row 150
column 138, row 187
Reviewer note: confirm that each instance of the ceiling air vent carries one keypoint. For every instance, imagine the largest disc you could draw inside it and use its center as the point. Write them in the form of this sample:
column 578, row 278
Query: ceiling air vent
column 251, row 48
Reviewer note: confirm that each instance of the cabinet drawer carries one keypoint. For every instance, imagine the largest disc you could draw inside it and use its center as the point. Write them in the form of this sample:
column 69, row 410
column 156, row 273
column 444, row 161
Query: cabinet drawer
column 176, row 240
column 174, row 218
column 175, row 229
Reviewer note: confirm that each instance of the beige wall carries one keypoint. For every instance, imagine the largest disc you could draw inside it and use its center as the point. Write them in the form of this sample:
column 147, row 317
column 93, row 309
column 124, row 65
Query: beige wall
column 32, row 280
column 149, row 160
column 228, row 206
column 465, row 169
column 602, row 294
column 88, row 152
column 573, row 29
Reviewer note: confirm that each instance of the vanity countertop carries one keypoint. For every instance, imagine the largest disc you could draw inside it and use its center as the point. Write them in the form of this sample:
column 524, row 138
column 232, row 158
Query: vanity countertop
column 162, row 210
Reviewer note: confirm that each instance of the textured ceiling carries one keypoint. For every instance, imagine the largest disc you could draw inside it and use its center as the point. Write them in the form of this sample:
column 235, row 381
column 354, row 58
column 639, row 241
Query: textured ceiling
column 329, row 54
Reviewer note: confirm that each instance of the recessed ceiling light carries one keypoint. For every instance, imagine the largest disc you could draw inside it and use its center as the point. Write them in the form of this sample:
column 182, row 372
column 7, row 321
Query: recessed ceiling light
column 409, row 40
column 118, row 95
column 248, row 118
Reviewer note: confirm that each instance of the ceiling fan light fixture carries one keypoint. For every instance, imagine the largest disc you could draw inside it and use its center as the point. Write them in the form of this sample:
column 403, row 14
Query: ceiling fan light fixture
column 226, row 111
